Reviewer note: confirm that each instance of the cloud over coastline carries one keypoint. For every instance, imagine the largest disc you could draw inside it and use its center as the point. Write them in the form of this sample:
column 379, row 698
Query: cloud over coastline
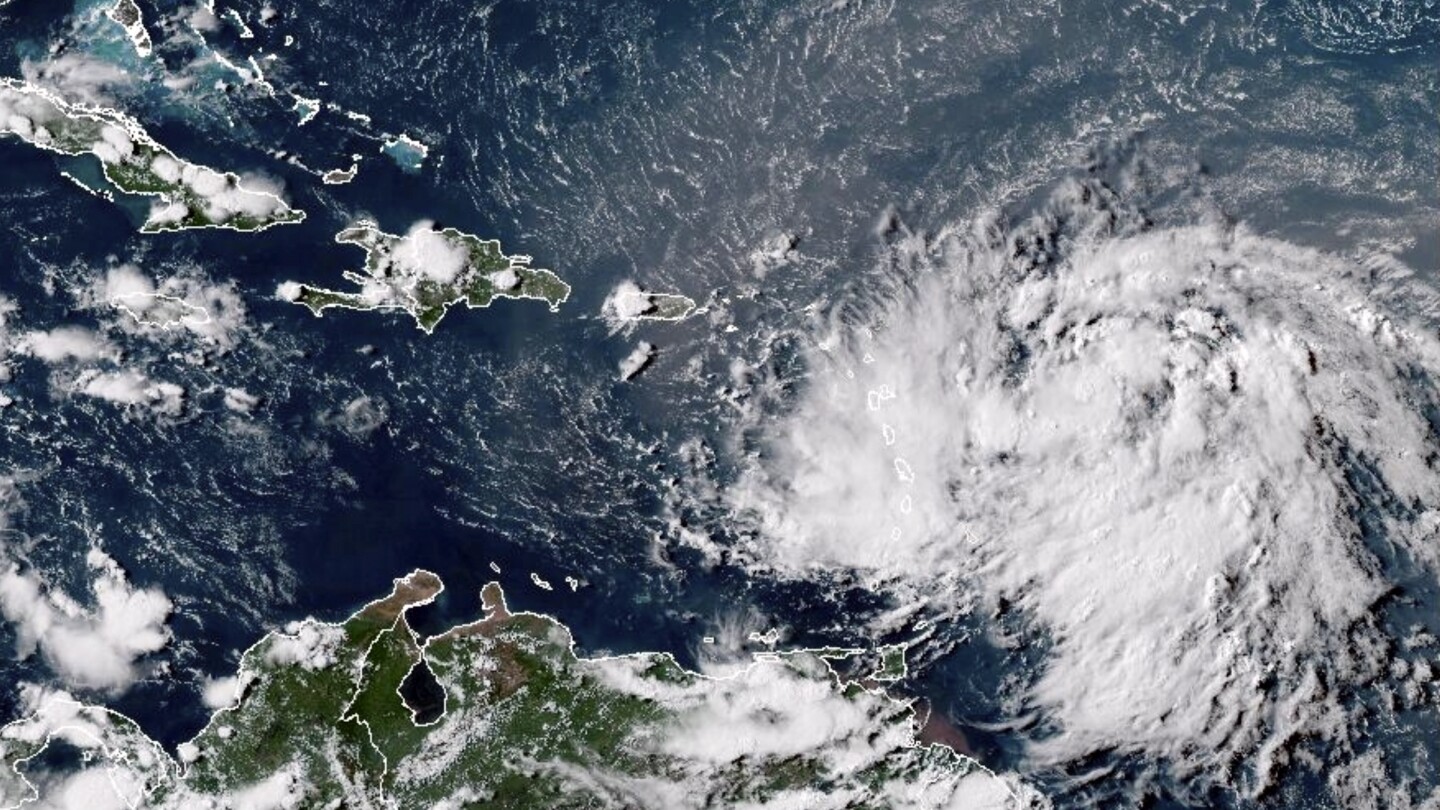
column 1177, row 451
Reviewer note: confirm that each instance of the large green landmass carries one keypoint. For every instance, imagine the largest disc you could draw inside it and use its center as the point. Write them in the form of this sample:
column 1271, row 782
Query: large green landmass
column 512, row 718
column 188, row 195
column 396, row 275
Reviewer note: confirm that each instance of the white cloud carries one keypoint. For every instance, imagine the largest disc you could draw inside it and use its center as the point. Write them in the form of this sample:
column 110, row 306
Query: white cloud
column 284, row 789
column 125, row 281
column 427, row 253
column 359, row 417
column 636, row 361
column 119, row 761
column 310, row 644
column 92, row 788
column 771, row 711
column 777, row 250
column 129, row 387
column 777, row 709
column 201, row 18
column 221, row 197
column 166, row 168
column 65, row 343
column 76, row 77
column 506, row 279
column 224, row 196
column 167, row 213
column 1146, row 447
column 221, row 693
column 626, row 302
column 289, row 291
column 185, row 304
column 203, row 181
column 93, row 646
column 240, row 400
column 115, row 144
column 30, row 109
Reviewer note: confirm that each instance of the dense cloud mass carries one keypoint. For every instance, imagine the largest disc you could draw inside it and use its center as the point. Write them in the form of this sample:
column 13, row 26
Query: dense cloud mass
column 90, row 646
column 1181, row 452
column 427, row 253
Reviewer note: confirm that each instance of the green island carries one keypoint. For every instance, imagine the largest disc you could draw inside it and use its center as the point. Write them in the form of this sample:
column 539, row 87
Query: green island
column 668, row 307
column 501, row 713
column 187, row 195
column 427, row 271
column 892, row 663
column 629, row 302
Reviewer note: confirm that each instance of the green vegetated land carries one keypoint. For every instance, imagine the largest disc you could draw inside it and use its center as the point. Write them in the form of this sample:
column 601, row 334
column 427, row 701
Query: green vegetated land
column 324, row 716
column 130, row 161
column 390, row 283
column 669, row 306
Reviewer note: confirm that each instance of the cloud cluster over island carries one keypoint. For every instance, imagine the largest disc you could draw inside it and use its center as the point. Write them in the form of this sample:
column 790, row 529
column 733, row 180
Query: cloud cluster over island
column 136, row 328
column 187, row 195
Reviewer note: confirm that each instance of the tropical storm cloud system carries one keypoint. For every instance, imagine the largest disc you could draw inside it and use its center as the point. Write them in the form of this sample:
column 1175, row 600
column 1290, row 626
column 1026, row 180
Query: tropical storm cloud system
column 766, row 404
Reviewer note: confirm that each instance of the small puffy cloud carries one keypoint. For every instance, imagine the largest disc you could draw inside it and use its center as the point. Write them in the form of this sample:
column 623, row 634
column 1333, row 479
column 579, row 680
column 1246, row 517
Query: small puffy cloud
column 93, row 646
column 166, row 168
column 201, row 19
column 167, row 213
column 65, row 343
column 132, row 388
column 122, row 388
column 310, row 644
column 636, row 361
column 114, row 146
column 359, row 417
column 240, row 401
column 262, row 184
column 289, row 291
column 221, row 693
column 281, row 790
column 775, row 251
column 630, row 303
column 125, row 281
column 627, row 302
column 504, row 280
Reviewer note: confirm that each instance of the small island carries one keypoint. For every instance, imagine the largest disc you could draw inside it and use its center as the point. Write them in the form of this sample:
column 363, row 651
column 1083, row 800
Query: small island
column 501, row 712
column 339, row 177
column 408, row 153
column 127, row 15
column 629, row 302
column 427, row 271
column 187, row 195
